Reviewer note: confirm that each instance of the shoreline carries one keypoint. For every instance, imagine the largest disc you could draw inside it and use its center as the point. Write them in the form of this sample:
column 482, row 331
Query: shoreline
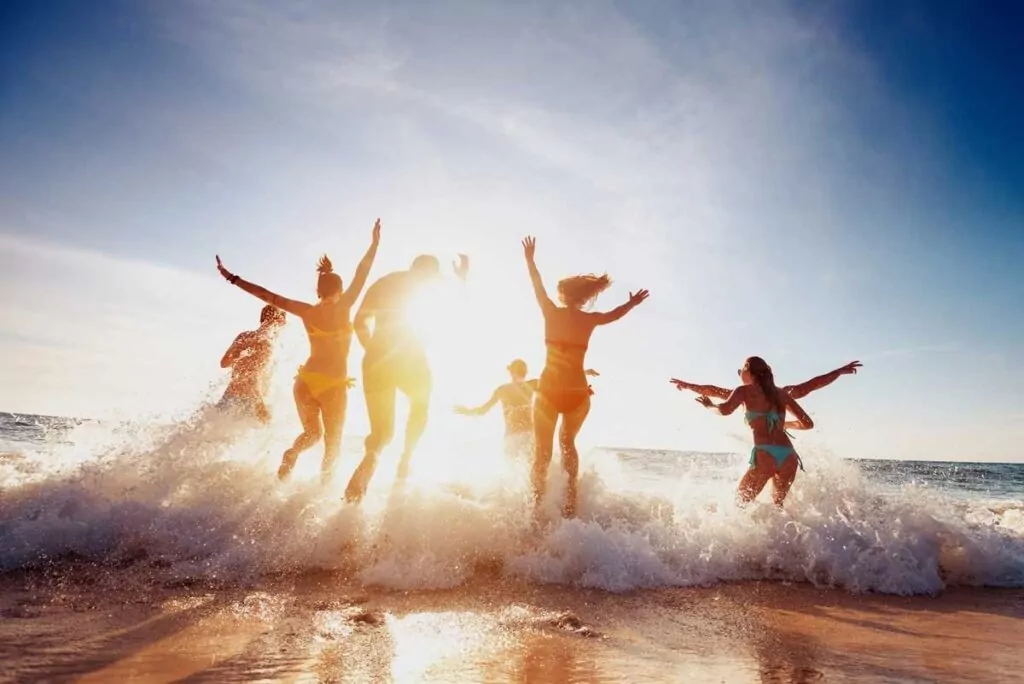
column 119, row 625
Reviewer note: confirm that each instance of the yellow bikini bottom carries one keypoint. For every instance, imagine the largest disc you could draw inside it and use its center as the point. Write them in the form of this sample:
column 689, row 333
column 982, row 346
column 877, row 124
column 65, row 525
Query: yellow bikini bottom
column 318, row 383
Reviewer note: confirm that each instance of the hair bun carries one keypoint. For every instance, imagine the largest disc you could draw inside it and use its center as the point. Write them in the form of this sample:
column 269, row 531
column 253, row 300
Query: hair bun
column 324, row 265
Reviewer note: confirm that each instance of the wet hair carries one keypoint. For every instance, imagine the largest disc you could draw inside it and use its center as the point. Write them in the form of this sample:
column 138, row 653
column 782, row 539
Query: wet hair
column 271, row 314
column 329, row 282
column 426, row 263
column 518, row 368
column 765, row 379
column 580, row 291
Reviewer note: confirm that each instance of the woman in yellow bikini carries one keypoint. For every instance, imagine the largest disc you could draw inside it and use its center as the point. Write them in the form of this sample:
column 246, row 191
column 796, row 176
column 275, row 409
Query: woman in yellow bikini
column 321, row 386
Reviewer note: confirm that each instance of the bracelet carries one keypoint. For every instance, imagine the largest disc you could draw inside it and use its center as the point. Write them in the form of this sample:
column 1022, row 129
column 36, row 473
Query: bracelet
column 233, row 279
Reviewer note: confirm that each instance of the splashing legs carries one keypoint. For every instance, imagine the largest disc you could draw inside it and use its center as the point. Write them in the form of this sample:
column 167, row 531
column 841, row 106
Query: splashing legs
column 544, row 417
column 756, row 478
column 783, row 480
column 332, row 405
column 379, row 392
column 309, row 416
column 571, row 425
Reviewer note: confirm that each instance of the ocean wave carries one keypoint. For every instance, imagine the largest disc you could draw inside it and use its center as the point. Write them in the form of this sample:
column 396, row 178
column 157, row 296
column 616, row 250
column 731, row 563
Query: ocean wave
column 199, row 501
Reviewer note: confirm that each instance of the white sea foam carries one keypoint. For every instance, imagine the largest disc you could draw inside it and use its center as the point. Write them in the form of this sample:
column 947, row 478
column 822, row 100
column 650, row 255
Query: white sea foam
column 200, row 499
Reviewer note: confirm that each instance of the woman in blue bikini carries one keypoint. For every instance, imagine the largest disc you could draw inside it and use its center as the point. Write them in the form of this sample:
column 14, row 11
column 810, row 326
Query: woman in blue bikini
column 773, row 456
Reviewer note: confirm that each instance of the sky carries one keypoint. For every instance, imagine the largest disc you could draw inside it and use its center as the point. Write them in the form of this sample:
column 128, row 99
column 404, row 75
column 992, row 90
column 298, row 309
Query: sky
column 810, row 182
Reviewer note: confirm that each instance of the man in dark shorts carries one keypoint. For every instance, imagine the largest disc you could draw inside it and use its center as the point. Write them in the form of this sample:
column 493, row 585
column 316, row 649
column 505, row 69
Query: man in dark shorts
column 394, row 361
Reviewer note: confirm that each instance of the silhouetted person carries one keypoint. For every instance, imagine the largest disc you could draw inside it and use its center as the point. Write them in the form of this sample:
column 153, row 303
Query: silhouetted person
column 395, row 361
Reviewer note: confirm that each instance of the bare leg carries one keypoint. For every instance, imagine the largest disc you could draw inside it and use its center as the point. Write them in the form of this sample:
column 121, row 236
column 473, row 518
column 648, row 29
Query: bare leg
column 571, row 424
column 380, row 405
column 544, row 419
column 783, row 480
column 757, row 477
column 417, row 388
column 333, row 404
column 309, row 416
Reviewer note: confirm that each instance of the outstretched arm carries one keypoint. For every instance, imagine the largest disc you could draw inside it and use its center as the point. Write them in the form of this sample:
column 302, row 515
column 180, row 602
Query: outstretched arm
column 803, row 421
column 726, row 408
column 635, row 298
column 479, row 410
column 233, row 353
column 705, row 390
column 294, row 307
column 529, row 249
column 367, row 311
column 803, row 389
column 358, row 282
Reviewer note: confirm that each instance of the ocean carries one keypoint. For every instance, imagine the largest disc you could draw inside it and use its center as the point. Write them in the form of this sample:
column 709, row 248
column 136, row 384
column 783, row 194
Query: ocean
column 199, row 498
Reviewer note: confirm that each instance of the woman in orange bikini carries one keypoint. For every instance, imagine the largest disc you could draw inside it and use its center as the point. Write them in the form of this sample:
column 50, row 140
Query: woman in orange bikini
column 321, row 386
column 563, row 389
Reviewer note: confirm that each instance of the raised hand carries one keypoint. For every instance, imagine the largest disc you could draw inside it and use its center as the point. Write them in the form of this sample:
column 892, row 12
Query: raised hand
column 680, row 384
column 461, row 267
column 376, row 232
column 228, row 275
column 637, row 297
column 529, row 247
column 704, row 401
column 849, row 369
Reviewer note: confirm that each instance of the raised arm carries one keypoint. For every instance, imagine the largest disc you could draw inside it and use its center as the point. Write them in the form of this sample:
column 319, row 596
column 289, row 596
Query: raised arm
column 233, row 353
column 529, row 249
column 479, row 410
column 803, row 421
column 358, row 282
column 803, row 389
column 705, row 390
column 726, row 408
column 294, row 307
column 635, row 298
column 367, row 312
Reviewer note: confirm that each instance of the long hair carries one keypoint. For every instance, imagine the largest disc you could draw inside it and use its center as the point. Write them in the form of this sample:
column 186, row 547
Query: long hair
column 765, row 379
column 580, row 291
column 329, row 282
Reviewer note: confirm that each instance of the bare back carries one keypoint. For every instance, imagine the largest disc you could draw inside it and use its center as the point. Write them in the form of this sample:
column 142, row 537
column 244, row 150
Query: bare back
column 567, row 334
column 330, row 336
column 387, row 301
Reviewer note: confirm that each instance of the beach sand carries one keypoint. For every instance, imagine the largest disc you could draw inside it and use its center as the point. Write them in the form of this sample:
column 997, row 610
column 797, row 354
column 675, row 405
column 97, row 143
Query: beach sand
column 119, row 626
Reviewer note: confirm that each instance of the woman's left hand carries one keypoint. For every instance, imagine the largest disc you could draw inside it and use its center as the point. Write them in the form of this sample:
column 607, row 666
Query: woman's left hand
column 228, row 275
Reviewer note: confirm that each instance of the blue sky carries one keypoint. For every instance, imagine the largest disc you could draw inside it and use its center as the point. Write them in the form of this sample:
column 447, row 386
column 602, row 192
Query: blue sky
column 811, row 182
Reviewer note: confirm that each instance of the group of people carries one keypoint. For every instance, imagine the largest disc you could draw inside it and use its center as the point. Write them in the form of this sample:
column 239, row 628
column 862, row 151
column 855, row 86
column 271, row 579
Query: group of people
column 395, row 360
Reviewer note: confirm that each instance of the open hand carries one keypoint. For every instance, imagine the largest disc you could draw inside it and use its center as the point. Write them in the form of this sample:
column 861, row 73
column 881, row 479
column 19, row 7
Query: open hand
column 376, row 232
column 637, row 297
column 228, row 275
column 704, row 401
column 592, row 373
column 680, row 384
column 461, row 267
column 529, row 247
column 462, row 411
column 849, row 369
column 350, row 382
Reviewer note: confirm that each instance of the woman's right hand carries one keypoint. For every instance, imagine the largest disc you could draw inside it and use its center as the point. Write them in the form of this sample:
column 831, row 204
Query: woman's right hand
column 680, row 384
column 529, row 247
column 376, row 232
column 849, row 369
column 636, row 297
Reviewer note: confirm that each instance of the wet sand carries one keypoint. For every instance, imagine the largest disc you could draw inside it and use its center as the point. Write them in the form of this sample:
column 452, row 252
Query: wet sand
column 96, row 626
